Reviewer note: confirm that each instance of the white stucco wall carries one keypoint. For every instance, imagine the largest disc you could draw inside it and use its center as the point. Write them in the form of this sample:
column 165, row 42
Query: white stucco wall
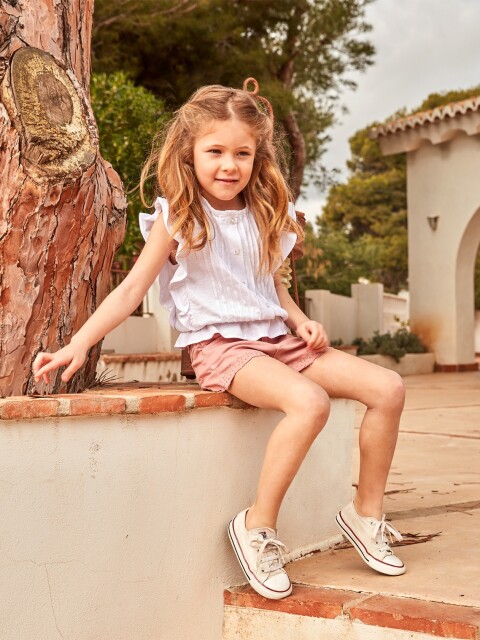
column 443, row 181
column 114, row 527
column 369, row 309
column 369, row 306
column 150, row 333
column 338, row 314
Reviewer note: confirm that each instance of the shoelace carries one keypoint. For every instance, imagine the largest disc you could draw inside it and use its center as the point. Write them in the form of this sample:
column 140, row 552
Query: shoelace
column 385, row 529
column 271, row 553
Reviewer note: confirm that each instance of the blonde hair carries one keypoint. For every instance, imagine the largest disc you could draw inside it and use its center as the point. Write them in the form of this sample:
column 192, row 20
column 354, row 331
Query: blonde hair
column 266, row 194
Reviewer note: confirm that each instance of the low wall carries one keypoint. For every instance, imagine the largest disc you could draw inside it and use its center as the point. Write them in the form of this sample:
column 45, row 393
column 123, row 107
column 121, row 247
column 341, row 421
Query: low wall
column 151, row 367
column 114, row 508
column 410, row 365
column 369, row 309
column 150, row 333
column 337, row 314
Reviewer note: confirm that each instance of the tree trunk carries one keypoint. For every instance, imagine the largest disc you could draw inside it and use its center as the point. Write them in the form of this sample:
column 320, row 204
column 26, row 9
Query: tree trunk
column 299, row 156
column 294, row 135
column 62, row 207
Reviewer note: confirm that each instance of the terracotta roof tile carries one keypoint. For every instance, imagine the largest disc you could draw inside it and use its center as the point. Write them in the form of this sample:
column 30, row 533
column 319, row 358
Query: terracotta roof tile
column 444, row 112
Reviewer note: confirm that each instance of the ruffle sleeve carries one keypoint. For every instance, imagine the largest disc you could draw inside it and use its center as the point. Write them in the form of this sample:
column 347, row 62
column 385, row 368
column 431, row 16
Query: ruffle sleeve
column 288, row 238
column 146, row 220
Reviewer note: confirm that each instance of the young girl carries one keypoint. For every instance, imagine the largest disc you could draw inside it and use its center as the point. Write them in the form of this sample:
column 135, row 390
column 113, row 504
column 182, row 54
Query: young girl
column 216, row 240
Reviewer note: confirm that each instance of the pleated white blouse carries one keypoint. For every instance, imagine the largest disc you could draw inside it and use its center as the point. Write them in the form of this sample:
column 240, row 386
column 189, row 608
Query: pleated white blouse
column 218, row 289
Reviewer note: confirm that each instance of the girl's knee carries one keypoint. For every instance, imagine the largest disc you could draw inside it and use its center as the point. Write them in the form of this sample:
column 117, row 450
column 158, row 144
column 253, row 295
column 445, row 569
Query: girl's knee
column 392, row 392
column 312, row 404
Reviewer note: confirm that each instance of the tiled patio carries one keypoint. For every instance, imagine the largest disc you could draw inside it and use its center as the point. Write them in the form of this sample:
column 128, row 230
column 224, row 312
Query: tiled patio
column 434, row 488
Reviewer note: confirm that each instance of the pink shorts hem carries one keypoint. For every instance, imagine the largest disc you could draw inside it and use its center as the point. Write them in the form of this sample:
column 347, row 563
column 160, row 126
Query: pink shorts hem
column 218, row 360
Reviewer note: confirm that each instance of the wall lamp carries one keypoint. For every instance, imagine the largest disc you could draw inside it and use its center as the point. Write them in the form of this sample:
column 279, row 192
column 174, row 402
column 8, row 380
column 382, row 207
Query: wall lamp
column 433, row 222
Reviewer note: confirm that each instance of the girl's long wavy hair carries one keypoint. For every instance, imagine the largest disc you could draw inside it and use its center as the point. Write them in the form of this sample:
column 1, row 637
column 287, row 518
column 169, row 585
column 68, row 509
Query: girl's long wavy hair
column 267, row 194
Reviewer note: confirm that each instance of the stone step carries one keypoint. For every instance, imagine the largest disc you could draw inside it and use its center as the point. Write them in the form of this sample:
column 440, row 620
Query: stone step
column 311, row 613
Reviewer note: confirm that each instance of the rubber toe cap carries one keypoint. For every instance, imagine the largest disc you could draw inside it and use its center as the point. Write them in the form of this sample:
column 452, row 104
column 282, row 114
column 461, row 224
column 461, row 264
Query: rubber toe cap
column 393, row 561
column 279, row 582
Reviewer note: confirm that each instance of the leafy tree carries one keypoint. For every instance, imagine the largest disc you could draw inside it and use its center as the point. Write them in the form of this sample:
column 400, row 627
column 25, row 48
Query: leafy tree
column 128, row 117
column 301, row 52
column 332, row 262
column 370, row 209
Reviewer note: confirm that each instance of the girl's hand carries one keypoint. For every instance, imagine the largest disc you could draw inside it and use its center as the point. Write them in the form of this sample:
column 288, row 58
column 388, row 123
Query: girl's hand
column 313, row 333
column 72, row 355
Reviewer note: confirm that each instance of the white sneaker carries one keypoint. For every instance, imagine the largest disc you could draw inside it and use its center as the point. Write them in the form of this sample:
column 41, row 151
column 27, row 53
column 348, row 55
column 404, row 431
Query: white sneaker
column 368, row 536
column 261, row 557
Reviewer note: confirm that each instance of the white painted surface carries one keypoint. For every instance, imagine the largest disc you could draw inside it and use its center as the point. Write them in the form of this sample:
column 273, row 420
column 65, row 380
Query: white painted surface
column 443, row 162
column 441, row 262
column 255, row 624
column 338, row 314
column 369, row 299
column 114, row 527
column 149, row 333
column 369, row 309
column 153, row 371
column 136, row 334
column 166, row 335
column 395, row 311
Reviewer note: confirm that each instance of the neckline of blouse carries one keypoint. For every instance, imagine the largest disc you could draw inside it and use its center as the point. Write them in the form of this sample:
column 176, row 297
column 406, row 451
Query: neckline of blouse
column 222, row 212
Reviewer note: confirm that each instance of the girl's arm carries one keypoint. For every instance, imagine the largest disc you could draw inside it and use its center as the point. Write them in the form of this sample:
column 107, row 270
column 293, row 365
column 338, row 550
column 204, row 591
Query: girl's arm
column 117, row 306
column 309, row 330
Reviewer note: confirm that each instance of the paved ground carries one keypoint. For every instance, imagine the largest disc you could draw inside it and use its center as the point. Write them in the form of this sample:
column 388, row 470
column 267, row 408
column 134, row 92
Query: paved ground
column 434, row 487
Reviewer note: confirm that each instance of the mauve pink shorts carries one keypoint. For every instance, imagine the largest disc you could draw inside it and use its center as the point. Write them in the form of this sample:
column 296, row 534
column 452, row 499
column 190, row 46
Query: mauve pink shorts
column 217, row 360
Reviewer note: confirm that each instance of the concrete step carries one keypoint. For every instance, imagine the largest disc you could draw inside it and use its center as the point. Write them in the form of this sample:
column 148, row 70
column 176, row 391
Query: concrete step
column 311, row 613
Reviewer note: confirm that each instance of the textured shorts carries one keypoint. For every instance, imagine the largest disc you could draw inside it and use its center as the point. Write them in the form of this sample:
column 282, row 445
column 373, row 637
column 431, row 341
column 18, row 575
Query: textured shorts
column 217, row 360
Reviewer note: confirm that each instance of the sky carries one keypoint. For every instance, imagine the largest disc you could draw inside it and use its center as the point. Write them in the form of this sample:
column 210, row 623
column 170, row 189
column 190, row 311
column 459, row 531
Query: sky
column 422, row 47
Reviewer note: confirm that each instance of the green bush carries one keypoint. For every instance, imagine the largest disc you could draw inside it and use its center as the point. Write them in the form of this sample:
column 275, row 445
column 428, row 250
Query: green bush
column 128, row 118
column 395, row 345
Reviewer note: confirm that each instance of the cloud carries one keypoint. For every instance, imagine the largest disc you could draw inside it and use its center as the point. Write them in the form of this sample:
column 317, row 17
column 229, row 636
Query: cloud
column 422, row 47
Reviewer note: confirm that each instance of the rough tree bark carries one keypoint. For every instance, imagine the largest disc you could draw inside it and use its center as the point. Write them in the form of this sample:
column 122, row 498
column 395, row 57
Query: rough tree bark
column 62, row 207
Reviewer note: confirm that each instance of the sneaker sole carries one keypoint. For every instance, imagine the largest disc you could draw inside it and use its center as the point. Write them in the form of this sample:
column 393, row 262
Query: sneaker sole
column 252, row 579
column 377, row 565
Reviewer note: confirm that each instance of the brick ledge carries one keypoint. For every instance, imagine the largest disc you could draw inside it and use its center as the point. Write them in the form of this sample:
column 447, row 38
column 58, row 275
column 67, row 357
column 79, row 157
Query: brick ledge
column 394, row 612
column 161, row 356
column 456, row 368
column 128, row 398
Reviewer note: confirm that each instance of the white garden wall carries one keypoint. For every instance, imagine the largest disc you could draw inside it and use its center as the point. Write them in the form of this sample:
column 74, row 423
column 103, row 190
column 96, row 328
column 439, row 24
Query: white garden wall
column 113, row 527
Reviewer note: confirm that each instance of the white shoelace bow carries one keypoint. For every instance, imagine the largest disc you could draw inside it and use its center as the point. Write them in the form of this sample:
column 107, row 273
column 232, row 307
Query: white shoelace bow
column 385, row 529
column 271, row 552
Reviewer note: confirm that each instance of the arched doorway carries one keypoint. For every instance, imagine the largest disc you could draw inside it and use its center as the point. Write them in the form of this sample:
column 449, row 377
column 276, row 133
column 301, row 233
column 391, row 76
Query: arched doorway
column 465, row 287
column 443, row 195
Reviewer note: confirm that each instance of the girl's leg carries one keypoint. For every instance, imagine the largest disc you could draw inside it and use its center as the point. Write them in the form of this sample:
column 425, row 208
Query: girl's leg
column 267, row 383
column 383, row 392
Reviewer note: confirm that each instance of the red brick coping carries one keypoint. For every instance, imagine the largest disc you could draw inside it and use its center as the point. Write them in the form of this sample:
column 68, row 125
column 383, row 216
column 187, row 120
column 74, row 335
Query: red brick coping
column 456, row 368
column 392, row 612
column 128, row 398
column 123, row 358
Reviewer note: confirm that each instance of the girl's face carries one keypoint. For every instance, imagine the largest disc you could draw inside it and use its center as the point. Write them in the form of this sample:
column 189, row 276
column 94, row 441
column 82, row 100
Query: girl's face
column 223, row 156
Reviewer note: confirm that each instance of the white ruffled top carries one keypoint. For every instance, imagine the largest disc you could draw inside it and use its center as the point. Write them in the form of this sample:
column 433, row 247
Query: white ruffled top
column 218, row 289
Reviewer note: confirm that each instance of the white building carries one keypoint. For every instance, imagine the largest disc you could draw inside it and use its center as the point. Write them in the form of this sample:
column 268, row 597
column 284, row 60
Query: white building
column 443, row 195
